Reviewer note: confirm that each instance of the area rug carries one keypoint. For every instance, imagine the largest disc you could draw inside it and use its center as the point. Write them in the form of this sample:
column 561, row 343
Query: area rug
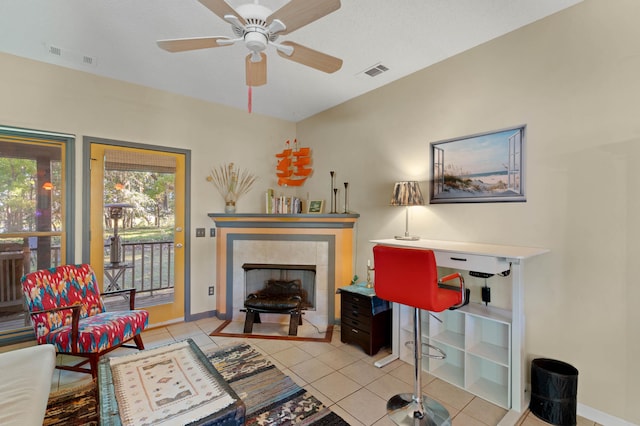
column 74, row 406
column 280, row 331
column 171, row 384
column 270, row 397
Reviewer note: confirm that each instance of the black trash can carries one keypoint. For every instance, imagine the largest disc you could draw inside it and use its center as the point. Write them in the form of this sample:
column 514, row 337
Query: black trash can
column 554, row 387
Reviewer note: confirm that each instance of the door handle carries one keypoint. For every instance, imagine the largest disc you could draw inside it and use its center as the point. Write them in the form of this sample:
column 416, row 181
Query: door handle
column 179, row 245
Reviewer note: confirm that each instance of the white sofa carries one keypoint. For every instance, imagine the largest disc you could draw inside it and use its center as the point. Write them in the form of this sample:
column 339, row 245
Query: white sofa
column 25, row 384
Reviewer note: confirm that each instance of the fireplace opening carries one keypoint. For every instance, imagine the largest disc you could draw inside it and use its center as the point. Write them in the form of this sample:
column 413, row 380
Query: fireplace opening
column 270, row 278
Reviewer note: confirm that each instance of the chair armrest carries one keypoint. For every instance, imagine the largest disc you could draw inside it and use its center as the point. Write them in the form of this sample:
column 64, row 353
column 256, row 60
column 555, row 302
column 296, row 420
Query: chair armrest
column 75, row 318
column 464, row 298
column 451, row 277
column 75, row 307
column 132, row 295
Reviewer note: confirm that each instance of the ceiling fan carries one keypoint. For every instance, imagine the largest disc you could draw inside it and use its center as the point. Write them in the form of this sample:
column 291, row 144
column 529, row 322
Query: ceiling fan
column 259, row 27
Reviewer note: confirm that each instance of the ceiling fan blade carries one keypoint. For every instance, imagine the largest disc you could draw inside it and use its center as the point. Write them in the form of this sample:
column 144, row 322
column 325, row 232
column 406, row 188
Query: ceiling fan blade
column 256, row 72
column 312, row 58
column 298, row 13
column 222, row 8
column 183, row 44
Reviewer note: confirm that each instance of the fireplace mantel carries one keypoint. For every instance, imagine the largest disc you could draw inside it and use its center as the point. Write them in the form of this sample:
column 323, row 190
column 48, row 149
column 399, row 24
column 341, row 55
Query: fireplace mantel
column 335, row 231
column 244, row 220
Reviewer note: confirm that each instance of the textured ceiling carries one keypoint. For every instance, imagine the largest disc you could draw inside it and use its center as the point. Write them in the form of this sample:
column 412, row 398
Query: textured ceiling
column 117, row 39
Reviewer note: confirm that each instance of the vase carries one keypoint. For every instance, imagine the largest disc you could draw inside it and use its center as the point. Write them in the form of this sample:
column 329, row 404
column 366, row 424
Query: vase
column 230, row 203
column 230, row 207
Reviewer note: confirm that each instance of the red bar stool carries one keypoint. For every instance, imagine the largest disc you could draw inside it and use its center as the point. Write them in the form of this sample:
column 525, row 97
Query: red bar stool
column 409, row 277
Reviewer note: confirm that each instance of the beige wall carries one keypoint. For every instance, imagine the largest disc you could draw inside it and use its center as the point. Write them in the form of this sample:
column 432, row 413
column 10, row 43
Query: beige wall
column 49, row 98
column 574, row 80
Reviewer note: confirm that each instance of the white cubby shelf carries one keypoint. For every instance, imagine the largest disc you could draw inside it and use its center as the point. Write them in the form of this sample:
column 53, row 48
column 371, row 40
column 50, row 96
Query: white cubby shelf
column 477, row 342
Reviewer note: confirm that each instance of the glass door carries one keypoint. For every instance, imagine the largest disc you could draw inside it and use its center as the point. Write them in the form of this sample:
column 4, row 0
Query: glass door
column 33, row 220
column 137, row 218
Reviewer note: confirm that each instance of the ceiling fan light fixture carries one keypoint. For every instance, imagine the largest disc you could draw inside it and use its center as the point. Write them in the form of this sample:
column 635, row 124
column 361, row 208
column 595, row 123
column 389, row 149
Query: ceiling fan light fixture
column 255, row 41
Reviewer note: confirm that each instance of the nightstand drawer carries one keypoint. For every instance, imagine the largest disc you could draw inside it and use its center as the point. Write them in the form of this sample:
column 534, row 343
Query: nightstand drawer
column 363, row 323
column 355, row 304
column 356, row 314
column 357, row 336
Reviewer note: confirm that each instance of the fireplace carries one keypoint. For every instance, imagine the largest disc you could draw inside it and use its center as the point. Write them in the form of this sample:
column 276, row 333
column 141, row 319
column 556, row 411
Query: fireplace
column 301, row 279
column 321, row 240
column 288, row 255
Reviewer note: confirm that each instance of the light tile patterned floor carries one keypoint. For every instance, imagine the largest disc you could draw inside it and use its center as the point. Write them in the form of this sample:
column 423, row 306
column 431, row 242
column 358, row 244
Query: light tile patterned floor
column 342, row 376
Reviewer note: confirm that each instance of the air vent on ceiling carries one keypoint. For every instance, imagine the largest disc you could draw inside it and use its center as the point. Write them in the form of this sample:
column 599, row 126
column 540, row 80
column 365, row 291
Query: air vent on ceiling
column 72, row 56
column 376, row 70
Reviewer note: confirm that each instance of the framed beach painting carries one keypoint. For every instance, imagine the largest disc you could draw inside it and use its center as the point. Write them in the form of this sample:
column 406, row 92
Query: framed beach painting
column 485, row 167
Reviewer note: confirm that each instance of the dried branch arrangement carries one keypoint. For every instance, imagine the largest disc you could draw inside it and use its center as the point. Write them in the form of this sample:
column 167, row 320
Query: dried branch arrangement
column 231, row 182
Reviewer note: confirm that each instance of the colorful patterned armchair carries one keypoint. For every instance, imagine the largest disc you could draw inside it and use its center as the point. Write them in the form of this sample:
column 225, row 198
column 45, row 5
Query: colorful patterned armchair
column 67, row 311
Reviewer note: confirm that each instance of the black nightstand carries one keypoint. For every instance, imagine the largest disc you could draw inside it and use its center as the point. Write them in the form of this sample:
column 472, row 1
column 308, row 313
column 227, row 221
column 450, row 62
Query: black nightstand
column 365, row 318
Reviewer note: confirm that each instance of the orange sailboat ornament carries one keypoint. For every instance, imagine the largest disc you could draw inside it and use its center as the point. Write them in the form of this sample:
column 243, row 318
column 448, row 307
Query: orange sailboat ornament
column 294, row 165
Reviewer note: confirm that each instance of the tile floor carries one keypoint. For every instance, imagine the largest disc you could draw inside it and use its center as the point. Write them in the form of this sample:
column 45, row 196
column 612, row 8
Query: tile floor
column 342, row 376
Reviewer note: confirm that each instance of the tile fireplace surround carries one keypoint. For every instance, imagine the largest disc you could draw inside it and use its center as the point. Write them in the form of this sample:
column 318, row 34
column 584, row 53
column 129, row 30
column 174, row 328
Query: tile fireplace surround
column 323, row 240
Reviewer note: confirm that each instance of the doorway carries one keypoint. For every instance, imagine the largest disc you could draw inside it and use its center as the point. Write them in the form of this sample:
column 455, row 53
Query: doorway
column 137, row 221
column 35, row 217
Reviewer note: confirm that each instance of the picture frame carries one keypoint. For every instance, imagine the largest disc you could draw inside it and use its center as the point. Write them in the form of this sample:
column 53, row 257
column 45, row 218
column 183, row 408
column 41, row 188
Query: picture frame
column 479, row 168
column 315, row 206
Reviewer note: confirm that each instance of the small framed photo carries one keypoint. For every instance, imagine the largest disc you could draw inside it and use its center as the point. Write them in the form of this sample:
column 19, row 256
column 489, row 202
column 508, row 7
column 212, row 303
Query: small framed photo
column 315, row 206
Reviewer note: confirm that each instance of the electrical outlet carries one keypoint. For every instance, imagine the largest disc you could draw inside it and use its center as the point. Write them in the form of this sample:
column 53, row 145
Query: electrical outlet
column 199, row 232
column 212, row 232
column 211, row 290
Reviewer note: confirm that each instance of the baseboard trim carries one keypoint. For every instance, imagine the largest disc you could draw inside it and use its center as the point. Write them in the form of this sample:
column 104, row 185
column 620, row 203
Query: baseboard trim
column 601, row 417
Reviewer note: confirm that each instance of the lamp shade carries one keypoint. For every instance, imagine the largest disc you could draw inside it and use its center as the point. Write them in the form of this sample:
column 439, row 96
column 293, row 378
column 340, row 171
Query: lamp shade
column 407, row 194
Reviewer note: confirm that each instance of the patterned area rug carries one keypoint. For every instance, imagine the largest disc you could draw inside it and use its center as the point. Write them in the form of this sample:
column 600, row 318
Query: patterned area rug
column 270, row 397
column 171, row 384
column 74, row 407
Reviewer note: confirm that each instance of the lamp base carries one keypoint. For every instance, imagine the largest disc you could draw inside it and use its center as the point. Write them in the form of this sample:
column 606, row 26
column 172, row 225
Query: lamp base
column 406, row 237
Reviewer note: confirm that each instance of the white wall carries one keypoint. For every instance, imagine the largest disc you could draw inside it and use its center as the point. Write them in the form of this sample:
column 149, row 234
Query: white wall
column 574, row 80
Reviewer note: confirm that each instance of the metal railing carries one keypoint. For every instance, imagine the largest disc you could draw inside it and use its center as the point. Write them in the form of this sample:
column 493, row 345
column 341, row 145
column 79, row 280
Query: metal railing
column 149, row 266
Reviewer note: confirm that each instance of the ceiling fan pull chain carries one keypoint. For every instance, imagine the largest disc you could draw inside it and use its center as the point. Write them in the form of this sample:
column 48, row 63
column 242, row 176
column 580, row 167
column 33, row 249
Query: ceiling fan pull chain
column 250, row 100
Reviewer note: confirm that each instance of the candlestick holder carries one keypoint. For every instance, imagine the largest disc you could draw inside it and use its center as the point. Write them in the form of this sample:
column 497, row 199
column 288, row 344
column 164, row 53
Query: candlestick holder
column 333, row 207
column 335, row 200
column 369, row 282
column 346, row 197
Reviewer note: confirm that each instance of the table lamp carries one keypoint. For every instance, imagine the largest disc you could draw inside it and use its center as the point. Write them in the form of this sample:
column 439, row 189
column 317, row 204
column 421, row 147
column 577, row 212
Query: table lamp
column 407, row 194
